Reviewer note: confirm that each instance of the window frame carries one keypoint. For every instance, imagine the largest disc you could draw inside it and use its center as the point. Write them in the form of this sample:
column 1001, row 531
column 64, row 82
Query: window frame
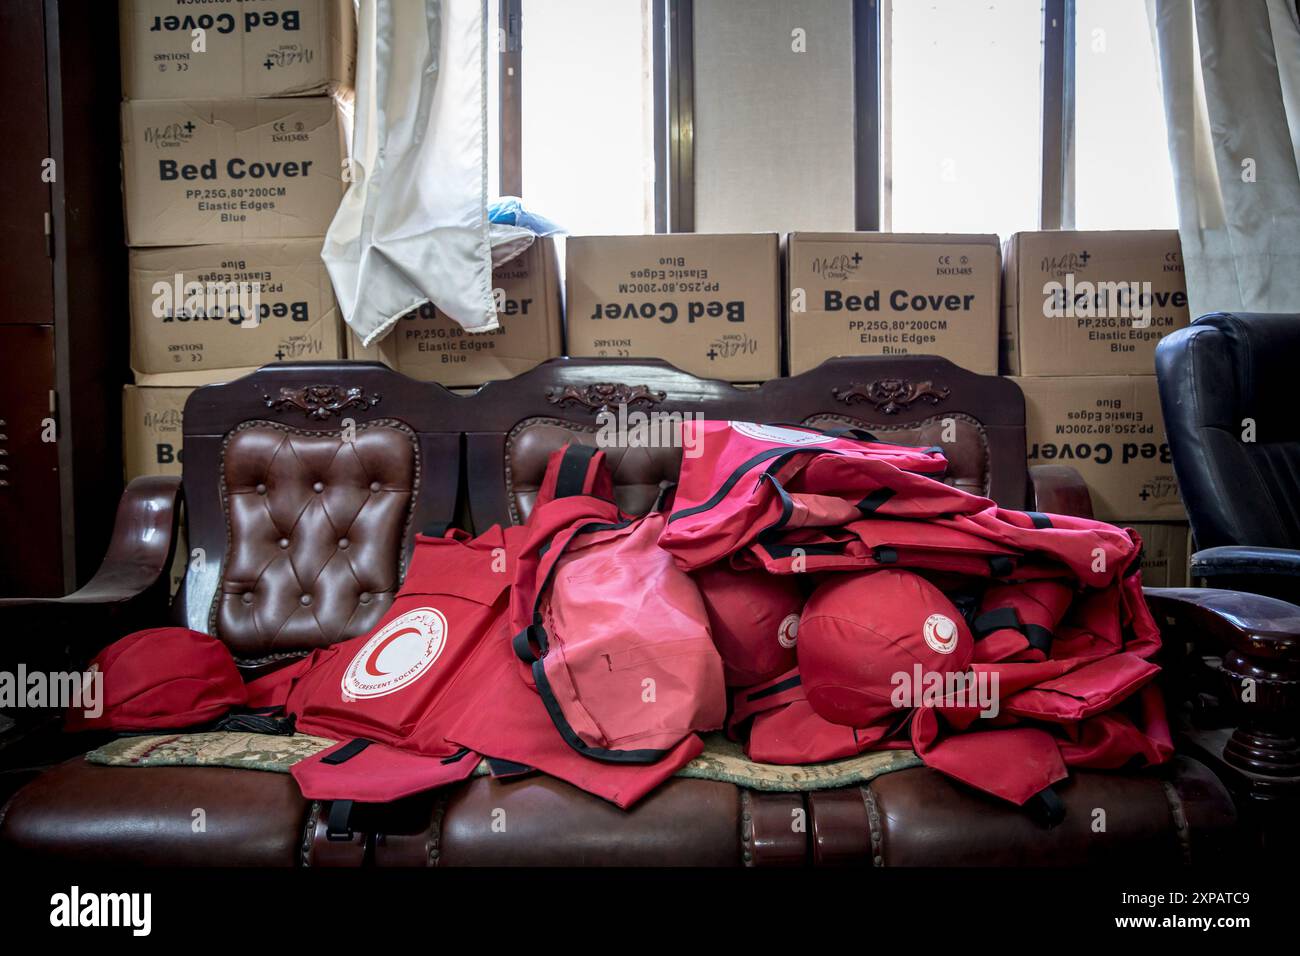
column 674, row 111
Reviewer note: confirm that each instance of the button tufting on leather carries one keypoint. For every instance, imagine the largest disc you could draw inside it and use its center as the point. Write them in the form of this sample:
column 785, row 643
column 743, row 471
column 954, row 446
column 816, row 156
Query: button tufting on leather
column 281, row 544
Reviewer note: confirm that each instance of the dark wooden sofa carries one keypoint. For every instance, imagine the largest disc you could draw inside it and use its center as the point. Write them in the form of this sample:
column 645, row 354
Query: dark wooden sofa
column 342, row 463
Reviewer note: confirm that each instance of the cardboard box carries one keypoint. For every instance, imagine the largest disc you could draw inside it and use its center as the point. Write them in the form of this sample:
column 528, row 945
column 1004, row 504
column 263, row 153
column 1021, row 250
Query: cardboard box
column 708, row 304
column 1164, row 554
column 151, row 430
column 211, row 171
column 1110, row 428
column 231, row 307
column 248, row 48
column 427, row 345
column 1090, row 303
column 871, row 293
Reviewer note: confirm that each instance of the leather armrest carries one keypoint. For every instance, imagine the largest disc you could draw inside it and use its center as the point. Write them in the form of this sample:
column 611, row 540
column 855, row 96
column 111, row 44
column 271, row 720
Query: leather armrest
column 1059, row 490
column 1239, row 560
column 139, row 553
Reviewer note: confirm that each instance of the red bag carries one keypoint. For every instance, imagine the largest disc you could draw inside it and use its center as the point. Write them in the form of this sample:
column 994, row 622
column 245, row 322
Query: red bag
column 615, row 637
column 163, row 678
column 754, row 618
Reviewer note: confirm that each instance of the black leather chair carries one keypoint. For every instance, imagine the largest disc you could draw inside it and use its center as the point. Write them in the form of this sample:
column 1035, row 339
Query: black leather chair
column 1228, row 389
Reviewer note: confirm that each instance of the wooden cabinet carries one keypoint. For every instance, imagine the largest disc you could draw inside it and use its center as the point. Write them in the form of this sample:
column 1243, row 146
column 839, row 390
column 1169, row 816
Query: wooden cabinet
column 63, row 318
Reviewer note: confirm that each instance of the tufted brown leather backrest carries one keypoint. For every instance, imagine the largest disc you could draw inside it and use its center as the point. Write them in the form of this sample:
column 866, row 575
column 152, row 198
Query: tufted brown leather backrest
column 640, row 473
column 315, row 523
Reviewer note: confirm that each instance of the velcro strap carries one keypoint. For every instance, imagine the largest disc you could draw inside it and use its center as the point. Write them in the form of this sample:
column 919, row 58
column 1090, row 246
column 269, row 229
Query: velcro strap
column 884, row 555
column 338, row 823
column 346, row 752
column 1001, row 566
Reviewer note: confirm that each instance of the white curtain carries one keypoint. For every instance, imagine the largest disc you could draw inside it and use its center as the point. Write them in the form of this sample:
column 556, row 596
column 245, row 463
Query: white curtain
column 413, row 225
column 1230, row 77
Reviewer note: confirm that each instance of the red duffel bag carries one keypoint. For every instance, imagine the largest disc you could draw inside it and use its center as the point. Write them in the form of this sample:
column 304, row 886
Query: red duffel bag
column 614, row 636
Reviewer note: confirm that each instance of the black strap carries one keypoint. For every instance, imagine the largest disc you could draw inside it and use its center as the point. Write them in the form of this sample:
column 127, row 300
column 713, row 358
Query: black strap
column 665, row 489
column 1001, row 618
column 884, row 555
column 1046, row 807
column 507, row 768
column 346, row 752
column 779, row 687
column 523, row 642
column 338, row 825
column 995, row 620
column 457, row 757
column 1039, row 638
column 574, row 466
column 871, row 502
column 263, row 720
column 1039, row 519
column 437, row 529
column 1001, row 566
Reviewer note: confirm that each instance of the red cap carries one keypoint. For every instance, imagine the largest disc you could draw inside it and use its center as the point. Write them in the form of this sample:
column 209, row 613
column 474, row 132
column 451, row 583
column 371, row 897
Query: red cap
column 860, row 630
column 160, row 679
column 754, row 618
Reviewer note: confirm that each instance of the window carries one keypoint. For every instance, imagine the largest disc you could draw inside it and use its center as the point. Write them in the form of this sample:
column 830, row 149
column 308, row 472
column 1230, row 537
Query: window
column 962, row 127
column 1123, row 178
column 587, row 145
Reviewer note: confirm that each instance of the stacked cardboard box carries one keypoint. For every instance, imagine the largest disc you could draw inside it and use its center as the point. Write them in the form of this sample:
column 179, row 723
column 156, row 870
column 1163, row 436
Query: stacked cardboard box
column 865, row 293
column 709, row 304
column 233, row 160
column 427, row 345
column 1082, row 313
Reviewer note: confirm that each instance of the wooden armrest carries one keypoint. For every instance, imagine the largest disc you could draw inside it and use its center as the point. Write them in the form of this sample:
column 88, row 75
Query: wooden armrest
column 1259, row 639
column 1059, row 490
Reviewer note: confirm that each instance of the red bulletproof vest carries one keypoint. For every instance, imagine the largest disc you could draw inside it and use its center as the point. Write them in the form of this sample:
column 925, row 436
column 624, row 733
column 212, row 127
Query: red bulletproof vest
column 615, row 637
column 751, row 480
column 390, row 694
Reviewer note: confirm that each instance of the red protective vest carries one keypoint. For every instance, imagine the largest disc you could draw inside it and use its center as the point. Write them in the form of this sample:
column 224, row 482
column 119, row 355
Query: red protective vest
column 391, row 694
column 751, row 480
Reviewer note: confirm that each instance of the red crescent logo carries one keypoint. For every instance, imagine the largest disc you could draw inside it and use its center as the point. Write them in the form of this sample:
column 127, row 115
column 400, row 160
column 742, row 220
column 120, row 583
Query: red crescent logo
column 374, row 655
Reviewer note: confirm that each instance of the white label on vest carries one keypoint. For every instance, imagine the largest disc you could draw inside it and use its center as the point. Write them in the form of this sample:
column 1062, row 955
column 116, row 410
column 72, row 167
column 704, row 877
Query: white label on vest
column 788, row 631
column 779, row 435
column 940, row 633
column 397, row 655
